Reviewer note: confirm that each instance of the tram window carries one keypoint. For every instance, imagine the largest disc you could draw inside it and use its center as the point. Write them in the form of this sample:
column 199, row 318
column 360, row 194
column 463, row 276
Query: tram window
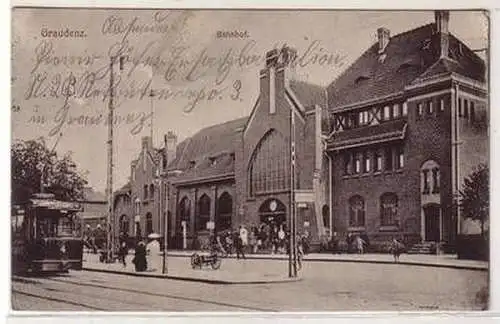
column 65, row 226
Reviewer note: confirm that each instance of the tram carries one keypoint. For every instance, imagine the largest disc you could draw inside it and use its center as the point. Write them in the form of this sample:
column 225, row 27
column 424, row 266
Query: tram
column 44, row 237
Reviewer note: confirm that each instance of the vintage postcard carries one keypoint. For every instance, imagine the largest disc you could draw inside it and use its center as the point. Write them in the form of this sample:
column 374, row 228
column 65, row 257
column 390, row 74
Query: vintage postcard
column 249, row 160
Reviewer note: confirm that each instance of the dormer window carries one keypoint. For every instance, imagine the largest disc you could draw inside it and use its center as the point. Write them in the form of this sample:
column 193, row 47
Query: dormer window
column 192, row 164
column 213, row 161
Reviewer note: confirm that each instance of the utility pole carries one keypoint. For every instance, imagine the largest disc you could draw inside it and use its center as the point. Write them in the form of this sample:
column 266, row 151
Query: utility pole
column 164, row 176
column 109, row 186
column 292, row 259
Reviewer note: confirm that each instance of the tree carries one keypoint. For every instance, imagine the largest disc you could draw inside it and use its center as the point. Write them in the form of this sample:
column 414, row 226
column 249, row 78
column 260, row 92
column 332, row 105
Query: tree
column 30, row 159
column 475, row 196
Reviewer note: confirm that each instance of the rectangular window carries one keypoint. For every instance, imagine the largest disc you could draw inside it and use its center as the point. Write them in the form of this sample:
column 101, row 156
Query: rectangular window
column 378, row 162
column 388, row 159
column 367, row 163
column 400, row 158
column 435, row 181
column 405, row 109
column 396, row 111
column 460, row 111
column 472, row 111
column 430, row 107
column 425, row 179
column 387, row 113
column 441, row 105
column 466, row 108
column 357, row 164
column 145, row 194
column 420, row 108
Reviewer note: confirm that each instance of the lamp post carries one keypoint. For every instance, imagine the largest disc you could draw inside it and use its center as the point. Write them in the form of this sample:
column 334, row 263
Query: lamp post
column 165, row 225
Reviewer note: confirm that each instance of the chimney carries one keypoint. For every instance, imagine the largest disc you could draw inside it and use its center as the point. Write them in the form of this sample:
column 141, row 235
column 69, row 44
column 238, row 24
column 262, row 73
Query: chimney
column 442, row 20
column 147, row 143
column 170, row 142
column 384, row 35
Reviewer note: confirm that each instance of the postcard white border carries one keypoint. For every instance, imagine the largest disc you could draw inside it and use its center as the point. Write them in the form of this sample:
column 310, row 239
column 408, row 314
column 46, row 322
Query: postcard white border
column 208, row 318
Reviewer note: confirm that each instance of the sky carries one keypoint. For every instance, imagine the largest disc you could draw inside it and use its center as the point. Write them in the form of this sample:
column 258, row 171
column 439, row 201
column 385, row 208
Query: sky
column 199, row 79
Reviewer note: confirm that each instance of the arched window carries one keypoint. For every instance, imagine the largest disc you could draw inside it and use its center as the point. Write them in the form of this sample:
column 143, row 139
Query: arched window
column 149, row 223
column 269, row 170
column 203, row 213
column 224, row 212
column 430, row 178
column 151, row 191
column 389, row 209
column 124, row 224
column 356, row 211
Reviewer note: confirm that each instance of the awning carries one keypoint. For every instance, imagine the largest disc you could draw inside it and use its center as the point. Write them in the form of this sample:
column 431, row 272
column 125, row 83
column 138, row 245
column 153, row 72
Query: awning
column 388, row 131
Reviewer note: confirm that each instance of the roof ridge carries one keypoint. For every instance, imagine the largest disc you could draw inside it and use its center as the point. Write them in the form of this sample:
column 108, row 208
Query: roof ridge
column 375, row 44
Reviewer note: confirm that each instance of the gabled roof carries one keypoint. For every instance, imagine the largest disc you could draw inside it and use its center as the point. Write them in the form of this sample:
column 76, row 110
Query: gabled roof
column 89, row 195
column 308, row 94
column 407, row 56
column 215, row 142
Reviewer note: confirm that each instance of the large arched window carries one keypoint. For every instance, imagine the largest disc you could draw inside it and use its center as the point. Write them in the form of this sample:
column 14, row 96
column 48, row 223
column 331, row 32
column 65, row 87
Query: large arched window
column 389, row 209
column 224, row 212
column 269, row 166
column 203, row 213
column 149, row 223
column 356, row 211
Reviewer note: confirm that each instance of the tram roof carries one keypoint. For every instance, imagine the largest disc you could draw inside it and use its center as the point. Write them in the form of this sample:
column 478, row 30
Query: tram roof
column 53, row 204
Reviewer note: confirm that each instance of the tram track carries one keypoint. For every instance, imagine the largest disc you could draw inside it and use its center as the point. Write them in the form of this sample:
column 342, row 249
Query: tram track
column 153, row 294
column 58, row 300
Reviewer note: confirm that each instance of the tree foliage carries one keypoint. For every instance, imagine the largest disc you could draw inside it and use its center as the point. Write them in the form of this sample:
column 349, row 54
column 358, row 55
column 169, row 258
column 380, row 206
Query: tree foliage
column 475, row 195
column 29, row 159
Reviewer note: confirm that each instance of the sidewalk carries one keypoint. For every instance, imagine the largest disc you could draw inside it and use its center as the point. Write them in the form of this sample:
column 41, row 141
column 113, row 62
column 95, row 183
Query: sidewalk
column 230, row 272
column 442, row 261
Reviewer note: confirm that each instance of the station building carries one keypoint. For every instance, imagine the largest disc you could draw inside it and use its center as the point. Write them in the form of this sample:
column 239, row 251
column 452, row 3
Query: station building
column 383, row 150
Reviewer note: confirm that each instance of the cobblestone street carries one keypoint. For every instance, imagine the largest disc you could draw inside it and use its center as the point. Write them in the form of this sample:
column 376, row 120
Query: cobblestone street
column 324, row 287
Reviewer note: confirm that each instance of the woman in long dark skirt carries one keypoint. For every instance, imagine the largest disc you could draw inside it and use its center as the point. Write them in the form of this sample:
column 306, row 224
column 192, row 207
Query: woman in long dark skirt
column 140, row 261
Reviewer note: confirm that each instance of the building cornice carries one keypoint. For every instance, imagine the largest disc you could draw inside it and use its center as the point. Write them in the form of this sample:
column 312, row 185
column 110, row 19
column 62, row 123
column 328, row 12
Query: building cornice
column 200, row 180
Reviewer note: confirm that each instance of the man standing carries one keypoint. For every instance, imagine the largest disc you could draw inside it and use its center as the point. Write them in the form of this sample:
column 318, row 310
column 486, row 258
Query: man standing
column 239, row 245
column 244, row 236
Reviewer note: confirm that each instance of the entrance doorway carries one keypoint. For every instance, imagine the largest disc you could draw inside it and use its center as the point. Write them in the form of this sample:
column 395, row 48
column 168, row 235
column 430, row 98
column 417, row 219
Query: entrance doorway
column 432, row 223
column 273, row 213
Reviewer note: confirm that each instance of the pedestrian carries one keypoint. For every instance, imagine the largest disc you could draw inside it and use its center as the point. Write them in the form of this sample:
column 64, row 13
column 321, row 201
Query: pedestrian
column 364, row 237
column 360, row 243
column 252, row 240
column 244, row 236
column 239, row 247
column 140, row 260
column 396, row 249
column 281, row 240
column 122, row 253
column 349, row 241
